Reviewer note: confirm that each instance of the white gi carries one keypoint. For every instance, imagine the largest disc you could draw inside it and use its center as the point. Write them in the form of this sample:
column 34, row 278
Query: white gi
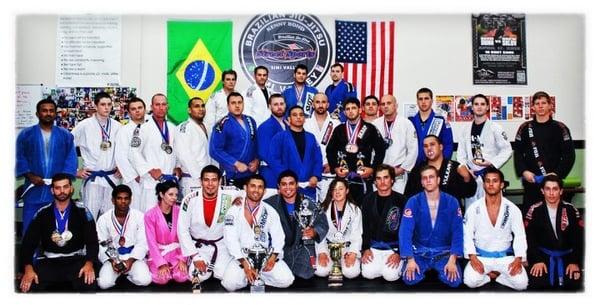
column 149, row 155
column 238, row 234
column 489, row 242
column 323, row 135
column 135, row 236
column 122, row 148
column 96, row 193
column 404, row 149
column 495, row 148
column 255, row 104
column 191, row 149
column 216, row 108
column 351, row 228
column 192, row 227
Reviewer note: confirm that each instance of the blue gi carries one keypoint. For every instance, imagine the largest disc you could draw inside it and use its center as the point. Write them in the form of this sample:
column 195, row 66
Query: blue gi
column 31, row 158
column 431, row 247
column 440, row 128
column 306, row 99
column 266, row 132
column 283, row 155
column 336, row 95
column 230, row 142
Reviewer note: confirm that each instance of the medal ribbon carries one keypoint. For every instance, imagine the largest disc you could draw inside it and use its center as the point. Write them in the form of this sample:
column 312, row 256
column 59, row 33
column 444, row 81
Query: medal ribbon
column 105, row 131
column 388, row 128
column 121, row 229
column 62, row 219
column 253, row 212
column 352, row 133
column 299, row 95
column 338, row 221
column 164, row 130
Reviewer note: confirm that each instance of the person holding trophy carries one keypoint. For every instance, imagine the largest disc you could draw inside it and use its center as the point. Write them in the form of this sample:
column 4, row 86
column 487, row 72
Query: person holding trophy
column 123, row 244
column 339, row 252
column 303, row 224
column 164, row 253
column 246, row 233
column 485, row 144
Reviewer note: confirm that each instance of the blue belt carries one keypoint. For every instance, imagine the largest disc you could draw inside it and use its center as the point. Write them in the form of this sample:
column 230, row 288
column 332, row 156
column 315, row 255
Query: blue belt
column 480, row 172
column 102, row 174
column 556, row 258
column 165, row 178
column 382, row 245
column 186, row 175
column 537, row 179
column 431, row 252
column 494, row 254
column 125, row 250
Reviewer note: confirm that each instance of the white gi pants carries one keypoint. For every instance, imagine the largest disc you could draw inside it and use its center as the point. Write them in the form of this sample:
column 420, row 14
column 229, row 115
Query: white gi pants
column 189, row 184
column 348, row 272
column 148, row 200
column 136, row 194
column 377, row 267
column 221, row 263
column 478, row 194
column 96, row 198
column 323, row 187
column 234, row 278
column 474, row 279
column 139, row 274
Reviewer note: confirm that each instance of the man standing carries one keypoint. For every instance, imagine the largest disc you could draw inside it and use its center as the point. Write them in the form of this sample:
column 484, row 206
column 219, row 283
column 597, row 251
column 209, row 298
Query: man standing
column 371, row 106
column 216, row 106
column 427, row 123
column 400, row 140
column 352, row 147
column 298, row 150
column 431, row 233
column 65, row 233
column 543, row 147
column 494, row 238
column 233, row 142
column 128, row 135
column 381, row 212
column 266, row 132
column 191, row 146
column 123, row 229
column 299, row 247
column 201, row 223
column 254, row 222
column 95, row 138
column 338, row 92
column 152, row 155
column 555, row 240
column 321, row 124
column 300, row 93
column 257, row 96
column 482, row 146
column 43, row 150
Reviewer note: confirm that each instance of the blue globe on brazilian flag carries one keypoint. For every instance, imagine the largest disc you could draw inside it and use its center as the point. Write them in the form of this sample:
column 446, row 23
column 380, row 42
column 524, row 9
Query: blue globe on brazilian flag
column 197, row 54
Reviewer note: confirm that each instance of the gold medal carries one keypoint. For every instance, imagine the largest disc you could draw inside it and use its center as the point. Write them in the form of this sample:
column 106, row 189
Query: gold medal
column 257, row 230
column 122, row 241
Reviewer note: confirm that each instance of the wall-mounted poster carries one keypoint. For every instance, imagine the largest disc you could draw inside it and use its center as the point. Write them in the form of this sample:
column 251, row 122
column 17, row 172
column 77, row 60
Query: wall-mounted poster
column 499, row 53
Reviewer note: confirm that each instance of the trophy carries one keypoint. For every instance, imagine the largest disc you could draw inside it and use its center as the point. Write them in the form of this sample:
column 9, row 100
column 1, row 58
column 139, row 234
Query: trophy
column 112, row 253
column 335, row 252
column 196, row 287
column 257, row 257
column 477, row 153
column 341, row 161
column 305, row 218
column 360, row 164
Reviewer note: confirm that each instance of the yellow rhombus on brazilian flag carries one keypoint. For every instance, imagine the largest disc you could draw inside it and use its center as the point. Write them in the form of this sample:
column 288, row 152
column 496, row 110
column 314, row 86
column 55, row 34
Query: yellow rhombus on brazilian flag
column 197, row 54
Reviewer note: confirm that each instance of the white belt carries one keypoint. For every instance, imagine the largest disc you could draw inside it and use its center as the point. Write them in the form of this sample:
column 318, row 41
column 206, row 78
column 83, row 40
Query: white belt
column 56, row 255
column 167, row 248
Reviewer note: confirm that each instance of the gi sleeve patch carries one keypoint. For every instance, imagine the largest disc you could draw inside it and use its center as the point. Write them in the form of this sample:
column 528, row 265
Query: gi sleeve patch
column 408, row 213
column 229, row 220
column 392, row 221
column 504, row 136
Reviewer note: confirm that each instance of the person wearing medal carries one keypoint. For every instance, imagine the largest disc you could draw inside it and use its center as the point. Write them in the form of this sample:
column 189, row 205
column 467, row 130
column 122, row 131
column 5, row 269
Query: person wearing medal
column 426, row 122
column 300, row 93
column 359, row 145
column 233, row 142
column 65, row 234
column 95, row 137
column 216, row 106
column 543, row 146
column 254, row 222
column 37, row 151
column 191, row 146
column 482, row 146
column 338, row 92
column 401, row 141
column 127, row 137
column 321, row 124
column 265, row 133
column 344, row 218
column 122, row 228
column 164, row 253
column 371, row 108
column 153, row 158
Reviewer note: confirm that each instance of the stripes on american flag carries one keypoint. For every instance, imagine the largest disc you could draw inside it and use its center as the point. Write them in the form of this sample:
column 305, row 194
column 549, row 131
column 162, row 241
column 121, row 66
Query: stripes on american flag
column 367, row 49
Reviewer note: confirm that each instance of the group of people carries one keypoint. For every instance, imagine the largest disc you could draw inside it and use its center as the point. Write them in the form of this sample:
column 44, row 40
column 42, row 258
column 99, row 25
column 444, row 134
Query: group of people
column 384, row 186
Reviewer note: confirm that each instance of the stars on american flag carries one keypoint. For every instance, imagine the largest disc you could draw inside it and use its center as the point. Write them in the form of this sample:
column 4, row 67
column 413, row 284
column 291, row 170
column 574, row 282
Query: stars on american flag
column 351, row 41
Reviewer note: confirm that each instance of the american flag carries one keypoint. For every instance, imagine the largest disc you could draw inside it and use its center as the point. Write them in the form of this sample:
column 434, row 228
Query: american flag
column 367, row 48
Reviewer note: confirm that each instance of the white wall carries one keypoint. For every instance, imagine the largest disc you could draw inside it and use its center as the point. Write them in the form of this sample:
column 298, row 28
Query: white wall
column 431, row 51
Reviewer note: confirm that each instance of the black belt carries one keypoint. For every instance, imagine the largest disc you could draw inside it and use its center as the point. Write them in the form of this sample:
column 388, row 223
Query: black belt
column 200, row 242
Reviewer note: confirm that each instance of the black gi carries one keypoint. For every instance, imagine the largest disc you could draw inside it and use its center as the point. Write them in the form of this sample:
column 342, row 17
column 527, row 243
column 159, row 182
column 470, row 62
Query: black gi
column 381, row 219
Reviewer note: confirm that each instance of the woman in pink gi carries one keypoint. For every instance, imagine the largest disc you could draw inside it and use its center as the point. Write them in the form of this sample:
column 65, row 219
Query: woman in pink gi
column 164, row 254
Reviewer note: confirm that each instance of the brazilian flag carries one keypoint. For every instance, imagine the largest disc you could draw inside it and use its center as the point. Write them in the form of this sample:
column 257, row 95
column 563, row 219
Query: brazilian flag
column 197, row 54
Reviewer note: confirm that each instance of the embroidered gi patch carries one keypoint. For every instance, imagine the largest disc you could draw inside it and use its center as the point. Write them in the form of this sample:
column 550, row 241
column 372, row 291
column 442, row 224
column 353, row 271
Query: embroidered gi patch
column 392, row 221
column 408, row 213
column 229, row 220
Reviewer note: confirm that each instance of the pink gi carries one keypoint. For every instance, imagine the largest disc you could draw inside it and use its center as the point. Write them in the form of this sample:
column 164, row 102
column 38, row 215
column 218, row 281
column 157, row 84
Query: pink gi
column 163, row 245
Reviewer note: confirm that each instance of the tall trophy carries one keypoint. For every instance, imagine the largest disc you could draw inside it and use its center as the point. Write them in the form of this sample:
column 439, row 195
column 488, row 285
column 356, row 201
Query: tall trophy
column 306, row 217
column 112, row 253
column 477, row 152
column 196, row 287
column 336, row 279
column 360, row 163
column 257, row 257
column 342, row 161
